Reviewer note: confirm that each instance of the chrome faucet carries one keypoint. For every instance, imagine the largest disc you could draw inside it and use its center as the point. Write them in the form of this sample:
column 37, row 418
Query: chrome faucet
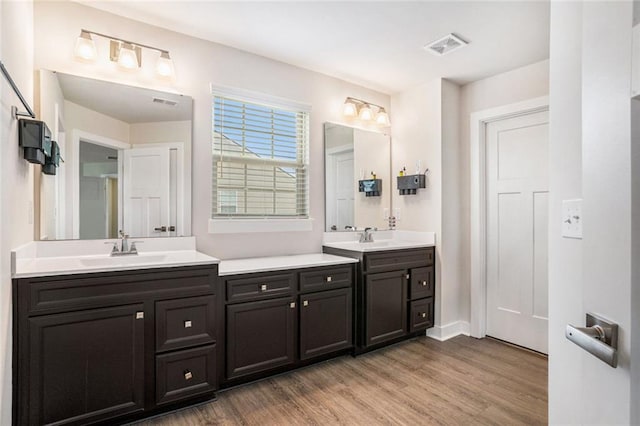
column 124, row 248
column 367, row 235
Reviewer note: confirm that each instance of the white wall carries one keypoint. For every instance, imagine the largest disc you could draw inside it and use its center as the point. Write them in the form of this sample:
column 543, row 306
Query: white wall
column 78, row 117
column 199, row 63
column 16, row 186
column 590, row 72
column 160, row 132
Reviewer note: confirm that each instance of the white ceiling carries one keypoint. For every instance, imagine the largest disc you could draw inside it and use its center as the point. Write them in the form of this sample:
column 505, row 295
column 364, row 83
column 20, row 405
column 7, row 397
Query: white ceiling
column 125, row 103
column 375, row 44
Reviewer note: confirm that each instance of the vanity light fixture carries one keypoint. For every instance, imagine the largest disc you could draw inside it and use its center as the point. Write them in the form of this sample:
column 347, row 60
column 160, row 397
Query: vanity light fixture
column 364, row 110
column 126, row 53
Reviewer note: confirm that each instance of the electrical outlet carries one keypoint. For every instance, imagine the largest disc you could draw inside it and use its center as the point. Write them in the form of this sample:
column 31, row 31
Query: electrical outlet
column 572, row 219
column 30, row 212
column 385, row 213
column 396, row 213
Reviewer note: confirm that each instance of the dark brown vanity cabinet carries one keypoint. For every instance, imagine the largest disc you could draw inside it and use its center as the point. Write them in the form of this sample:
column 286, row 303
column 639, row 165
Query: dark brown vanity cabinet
column 394, row 294
column 279, row 320
column 114, row 346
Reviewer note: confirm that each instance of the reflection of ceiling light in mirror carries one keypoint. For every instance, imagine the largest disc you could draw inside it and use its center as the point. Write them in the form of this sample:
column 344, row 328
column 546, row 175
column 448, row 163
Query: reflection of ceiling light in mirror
column 366, row 113
column 349, row 108
column 85, row 46
column 382, row 118
column 128, row 57
column 164, row 66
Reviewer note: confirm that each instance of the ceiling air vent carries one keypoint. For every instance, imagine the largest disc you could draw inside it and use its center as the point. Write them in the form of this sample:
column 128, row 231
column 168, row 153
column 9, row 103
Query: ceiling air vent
column 166, row 102
column 446, row 44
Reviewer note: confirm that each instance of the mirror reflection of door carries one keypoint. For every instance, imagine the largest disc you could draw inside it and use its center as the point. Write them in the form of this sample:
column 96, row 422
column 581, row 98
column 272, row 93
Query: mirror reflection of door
column 98, row 201
column 340, row 172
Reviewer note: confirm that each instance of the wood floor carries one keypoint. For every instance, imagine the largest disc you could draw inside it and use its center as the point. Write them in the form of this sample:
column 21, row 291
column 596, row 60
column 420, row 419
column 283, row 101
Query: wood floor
column 462, row 381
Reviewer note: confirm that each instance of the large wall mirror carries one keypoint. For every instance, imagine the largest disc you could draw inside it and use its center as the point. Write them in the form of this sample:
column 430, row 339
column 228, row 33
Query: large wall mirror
column 127, row 160
column 357, row 178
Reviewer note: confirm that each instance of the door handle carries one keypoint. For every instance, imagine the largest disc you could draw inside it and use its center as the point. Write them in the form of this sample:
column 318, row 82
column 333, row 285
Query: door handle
column 161, row 229
column 599, row 338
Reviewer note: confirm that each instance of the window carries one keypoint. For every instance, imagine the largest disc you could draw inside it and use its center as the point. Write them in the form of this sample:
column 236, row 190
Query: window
column 260, row 159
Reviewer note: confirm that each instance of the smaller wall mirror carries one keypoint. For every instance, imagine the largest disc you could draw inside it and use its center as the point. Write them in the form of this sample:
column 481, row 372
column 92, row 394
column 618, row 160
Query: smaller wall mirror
column 357, row 178
column 127, row 160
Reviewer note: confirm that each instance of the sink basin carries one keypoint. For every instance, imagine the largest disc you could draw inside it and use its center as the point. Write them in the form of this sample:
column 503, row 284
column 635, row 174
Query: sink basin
column 100, row 261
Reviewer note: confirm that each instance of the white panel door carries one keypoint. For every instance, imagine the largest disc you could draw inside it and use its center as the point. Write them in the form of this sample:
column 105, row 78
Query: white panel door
column 146, row 191
column 517, row 214
column 345, row 190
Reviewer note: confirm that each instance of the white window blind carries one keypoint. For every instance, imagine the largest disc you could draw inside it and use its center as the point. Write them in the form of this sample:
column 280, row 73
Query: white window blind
column 260, row 160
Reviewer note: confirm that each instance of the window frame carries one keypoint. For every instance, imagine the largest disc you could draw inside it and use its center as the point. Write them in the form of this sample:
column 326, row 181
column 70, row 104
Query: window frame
column 230, row 223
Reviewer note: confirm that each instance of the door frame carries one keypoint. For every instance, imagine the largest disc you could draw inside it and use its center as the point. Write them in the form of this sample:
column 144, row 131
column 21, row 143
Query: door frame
column 478, row 201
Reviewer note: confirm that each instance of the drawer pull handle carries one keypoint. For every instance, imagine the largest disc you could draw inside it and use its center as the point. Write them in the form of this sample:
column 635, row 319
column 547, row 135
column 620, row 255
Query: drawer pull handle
column 305, row 303
column 139, row 315
column 188, row 375
column 328, row 279
column 263, row 287
column 424, row 283
column 187, row 324
column 292, row 305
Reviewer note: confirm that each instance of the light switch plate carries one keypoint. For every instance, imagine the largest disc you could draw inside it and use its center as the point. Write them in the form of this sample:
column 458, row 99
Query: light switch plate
column 396, row 213
column 572, row 219
column 385, row 213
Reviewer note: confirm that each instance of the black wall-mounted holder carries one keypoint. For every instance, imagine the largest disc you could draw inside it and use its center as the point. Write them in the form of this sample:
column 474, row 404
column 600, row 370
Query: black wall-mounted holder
column 409, row 185
column 35, row 139
column 53, row 161
column 370, row 187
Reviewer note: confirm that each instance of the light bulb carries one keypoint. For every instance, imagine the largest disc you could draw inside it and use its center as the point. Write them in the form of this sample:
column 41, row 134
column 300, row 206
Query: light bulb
column 382, row 118
column 128, row 57
column 366, row 113
column 164, row 66
column 349, row 109
column 85, row 47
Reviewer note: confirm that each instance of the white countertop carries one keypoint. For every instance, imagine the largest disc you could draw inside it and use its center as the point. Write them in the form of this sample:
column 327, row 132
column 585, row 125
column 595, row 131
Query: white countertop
column 45, row 258
column 382, row 240
column 277, row 263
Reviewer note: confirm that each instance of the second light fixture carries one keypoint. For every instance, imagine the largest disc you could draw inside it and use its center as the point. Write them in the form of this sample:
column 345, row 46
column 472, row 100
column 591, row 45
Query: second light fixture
column 126, row 53
column 363, row 110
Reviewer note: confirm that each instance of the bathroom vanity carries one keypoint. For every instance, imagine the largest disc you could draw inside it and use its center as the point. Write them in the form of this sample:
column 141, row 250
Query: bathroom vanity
column 124, row 338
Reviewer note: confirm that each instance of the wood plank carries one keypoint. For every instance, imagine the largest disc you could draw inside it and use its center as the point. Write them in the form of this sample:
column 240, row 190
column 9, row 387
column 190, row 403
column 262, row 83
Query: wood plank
column 421, row 381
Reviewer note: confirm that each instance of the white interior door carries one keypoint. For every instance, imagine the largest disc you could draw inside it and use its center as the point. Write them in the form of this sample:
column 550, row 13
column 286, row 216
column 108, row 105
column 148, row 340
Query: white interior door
column 517, row 214
column 146, row 191
column 345, row 190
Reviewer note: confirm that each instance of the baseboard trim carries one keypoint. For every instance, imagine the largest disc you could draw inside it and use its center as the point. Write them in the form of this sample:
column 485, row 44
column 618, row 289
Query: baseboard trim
column 446, row 332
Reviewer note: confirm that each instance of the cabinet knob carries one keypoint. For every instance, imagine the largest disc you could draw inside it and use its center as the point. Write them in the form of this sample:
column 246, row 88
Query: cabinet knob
column 423, row 315
column 305, row 303
column 328, row 279
column 187, row 324
column 188, row 375
column 139, row 315
column 424, row 283
column 292, row 305
column 408, row 276
column 263, row 287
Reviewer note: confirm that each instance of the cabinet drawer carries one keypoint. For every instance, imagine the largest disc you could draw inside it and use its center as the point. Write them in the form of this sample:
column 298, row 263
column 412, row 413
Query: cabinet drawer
column 185, row 373
column 181, row 323
column 325, row 279
column 421, row 314
column 422, row 282
column 71, row 292
column 256, row 287
column 377, row 262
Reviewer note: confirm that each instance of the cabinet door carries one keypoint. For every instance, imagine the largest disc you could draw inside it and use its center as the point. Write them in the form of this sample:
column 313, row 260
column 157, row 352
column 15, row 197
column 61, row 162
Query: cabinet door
column 260, row 336
column 86, row 366
column 325, row 322
column 386, row 302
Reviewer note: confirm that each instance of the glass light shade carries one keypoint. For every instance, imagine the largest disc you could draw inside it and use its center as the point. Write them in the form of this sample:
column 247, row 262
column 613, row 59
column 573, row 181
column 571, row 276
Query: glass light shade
column 85, row 47
column 349, row 108
column 164, row 66
column 366, row 113
column 382, row 118
column 127, row 58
